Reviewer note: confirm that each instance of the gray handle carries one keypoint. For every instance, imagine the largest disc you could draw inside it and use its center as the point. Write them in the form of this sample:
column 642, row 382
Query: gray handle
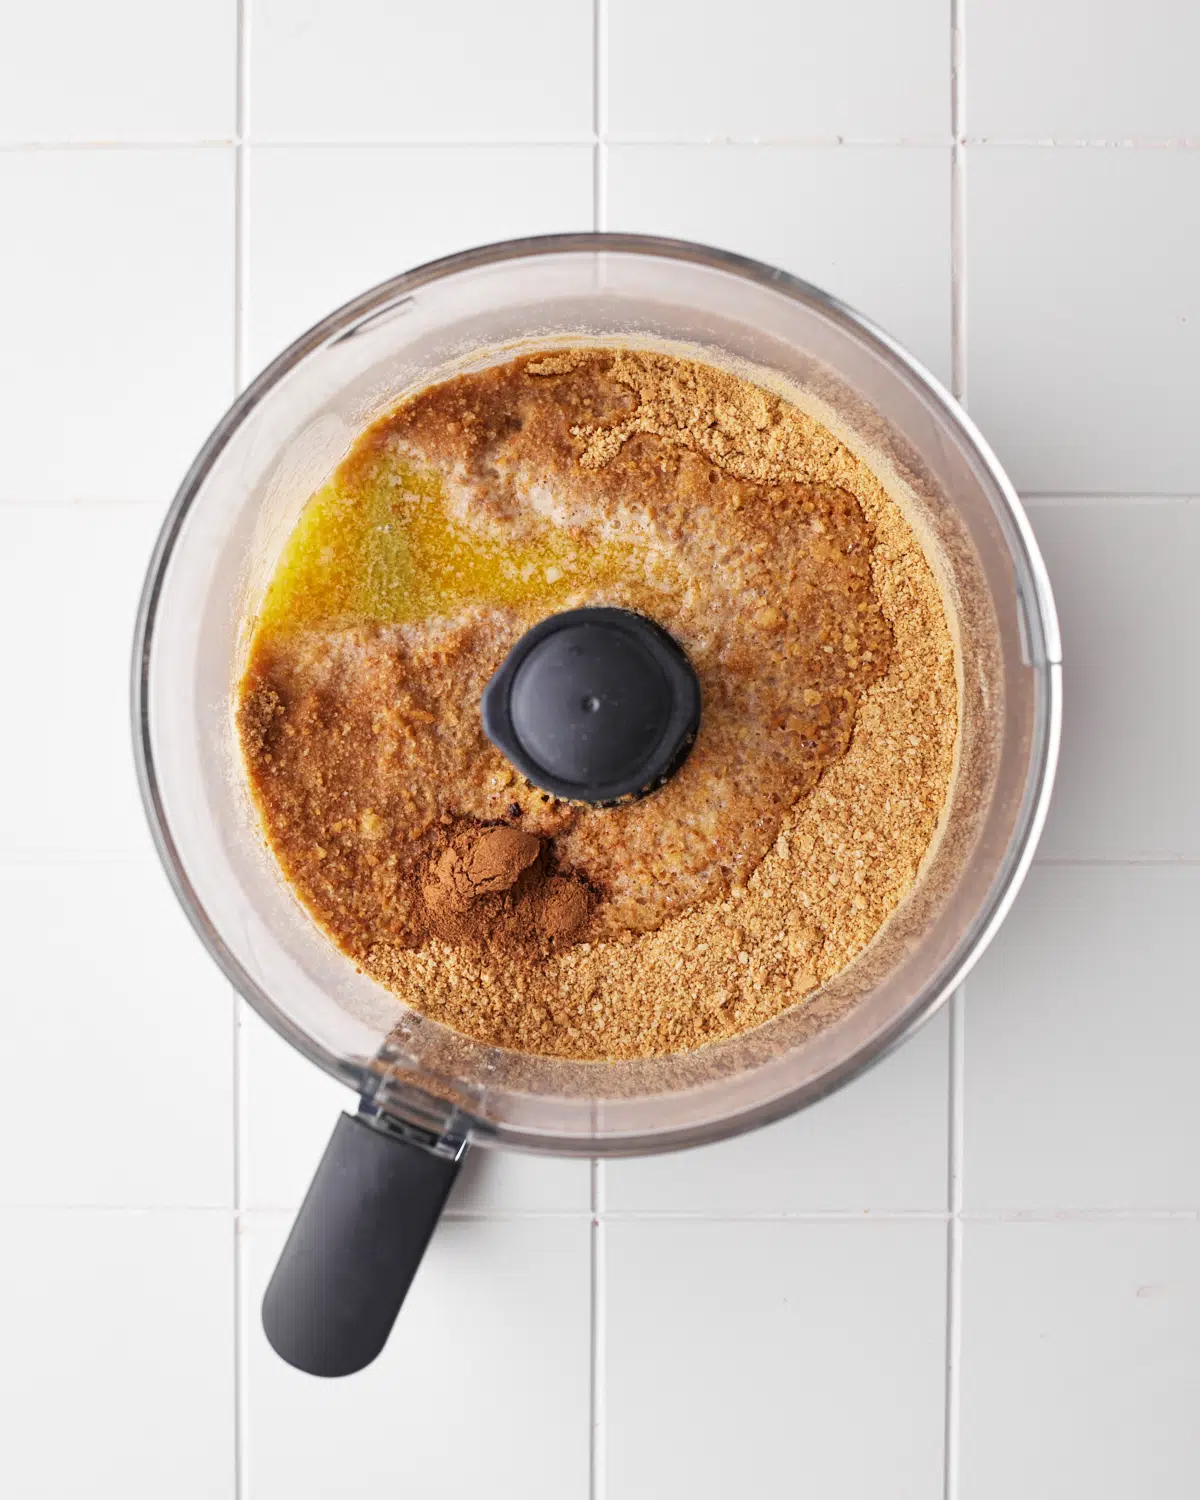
column 355, row 1247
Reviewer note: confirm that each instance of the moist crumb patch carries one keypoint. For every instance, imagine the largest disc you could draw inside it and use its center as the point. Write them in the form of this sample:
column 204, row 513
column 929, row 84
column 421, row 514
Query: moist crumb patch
column 749, row 532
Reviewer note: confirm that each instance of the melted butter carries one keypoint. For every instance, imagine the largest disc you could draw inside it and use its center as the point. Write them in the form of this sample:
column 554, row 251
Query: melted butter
column 379, row 544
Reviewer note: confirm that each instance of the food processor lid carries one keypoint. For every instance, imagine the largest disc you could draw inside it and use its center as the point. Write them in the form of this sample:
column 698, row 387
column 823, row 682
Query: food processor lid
column 594, row 705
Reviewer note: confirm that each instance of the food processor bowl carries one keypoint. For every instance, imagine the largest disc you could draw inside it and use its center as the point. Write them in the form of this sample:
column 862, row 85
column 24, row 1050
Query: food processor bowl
column 419, row 1080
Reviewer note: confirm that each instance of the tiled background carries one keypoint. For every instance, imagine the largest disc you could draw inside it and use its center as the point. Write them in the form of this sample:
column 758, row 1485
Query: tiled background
column 974, row 1274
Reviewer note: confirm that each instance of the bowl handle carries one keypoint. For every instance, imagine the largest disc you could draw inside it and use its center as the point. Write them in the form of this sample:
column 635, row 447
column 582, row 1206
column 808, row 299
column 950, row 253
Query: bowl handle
column 356, row 1244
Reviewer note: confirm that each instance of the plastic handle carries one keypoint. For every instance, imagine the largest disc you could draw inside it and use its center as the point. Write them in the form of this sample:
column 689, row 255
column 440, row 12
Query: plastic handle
column 355, row 1247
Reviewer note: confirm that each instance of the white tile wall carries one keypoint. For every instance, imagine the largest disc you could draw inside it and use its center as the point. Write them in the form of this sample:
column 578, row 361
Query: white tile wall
column 484, row 1389
column 72, row 575
column 760, row 1359
column 867, row 71
column 1082, row 1035
column 1082, row 70
column 970, row 1275
column 832, row 1158
column 128, row 70
column 870, row 224
column 1081, row 1360
column 116, row 300
column 1083, row 315
column 1124, row 577
column 376, row 70
column 116, row 1042
column 117, row 1361
column 303, row 200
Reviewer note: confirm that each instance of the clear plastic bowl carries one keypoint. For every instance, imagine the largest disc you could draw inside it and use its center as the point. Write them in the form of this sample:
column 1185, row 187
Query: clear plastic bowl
column 282, row 437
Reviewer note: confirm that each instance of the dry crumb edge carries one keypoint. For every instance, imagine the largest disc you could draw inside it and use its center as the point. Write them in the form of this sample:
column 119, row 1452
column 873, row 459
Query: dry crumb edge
column 846, row 855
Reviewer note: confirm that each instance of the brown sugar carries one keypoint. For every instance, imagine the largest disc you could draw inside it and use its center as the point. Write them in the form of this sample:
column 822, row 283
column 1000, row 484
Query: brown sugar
column 826, row 744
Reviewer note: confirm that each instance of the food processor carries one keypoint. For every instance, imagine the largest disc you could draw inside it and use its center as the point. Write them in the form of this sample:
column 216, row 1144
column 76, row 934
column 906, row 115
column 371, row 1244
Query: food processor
column 425, row 1092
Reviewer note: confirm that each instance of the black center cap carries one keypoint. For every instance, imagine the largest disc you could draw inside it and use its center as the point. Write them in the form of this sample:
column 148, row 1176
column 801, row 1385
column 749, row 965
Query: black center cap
column 594, row 705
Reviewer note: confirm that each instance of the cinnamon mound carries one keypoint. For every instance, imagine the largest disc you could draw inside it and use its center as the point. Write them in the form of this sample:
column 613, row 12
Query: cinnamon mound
column 494, row 887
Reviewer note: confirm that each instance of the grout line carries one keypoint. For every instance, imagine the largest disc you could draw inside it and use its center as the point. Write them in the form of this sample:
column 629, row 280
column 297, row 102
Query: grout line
column 596, row 1473
column 499, row 143
column 954, row 1232
column 240, row 1326
column 1080, row 1216
column 1034, row 497
column 140, row 1209
column 768, row 142
column 807, row 1216
column 434, row 143
column 954, row 1154
column 1090, row 143
column 836, row 1216
column 909, row 1216
column 600, row 85
column 239, row 1104
column 958, row 205
column 451, row 1215
column 507, row 1216
column 241, row 1373
column 1126, row 862
column 246, row 1215
column 241, row 201
column 600, row 114
column 786, row 142
column 96, row 502
column 166, row 143
column 52, row 859
column 599, row 59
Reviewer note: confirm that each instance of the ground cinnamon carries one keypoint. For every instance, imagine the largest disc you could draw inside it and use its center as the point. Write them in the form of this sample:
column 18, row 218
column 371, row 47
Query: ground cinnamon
column 493, row 887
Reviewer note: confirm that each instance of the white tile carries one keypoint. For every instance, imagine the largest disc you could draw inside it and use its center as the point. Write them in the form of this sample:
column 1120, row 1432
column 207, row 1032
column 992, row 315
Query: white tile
column 879, row 1144
column 515, row 1182
column 1081, row 1043
column 1081, row 1361
column 1083, row 316
column 1124, row 581
column 116, row 1043
column 289, row 1111
column 69, row 582
column 374, row 70
column 304, row 263
column 117, row 312
column 1082, row 69
column 771, row 1359
column 699, row 70
column 128, row 70
column 289, row 1108
column 870, row 224
column 482, row 1389
column 116, row 1376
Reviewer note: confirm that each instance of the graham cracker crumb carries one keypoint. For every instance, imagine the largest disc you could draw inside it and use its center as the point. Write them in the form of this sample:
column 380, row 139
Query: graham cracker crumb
column 817, row 872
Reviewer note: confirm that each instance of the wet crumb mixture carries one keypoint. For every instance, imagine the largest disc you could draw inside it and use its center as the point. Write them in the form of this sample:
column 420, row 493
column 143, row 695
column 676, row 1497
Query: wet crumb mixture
column 600, row 477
